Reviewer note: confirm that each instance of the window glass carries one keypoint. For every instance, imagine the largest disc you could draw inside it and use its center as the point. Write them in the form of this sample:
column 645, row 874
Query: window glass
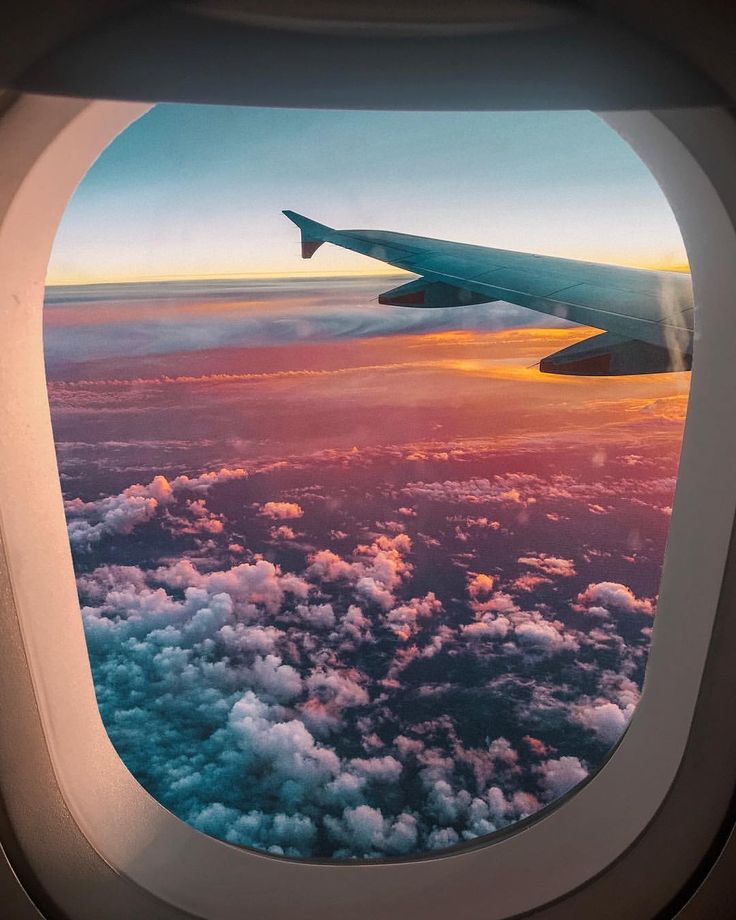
column 363, row 579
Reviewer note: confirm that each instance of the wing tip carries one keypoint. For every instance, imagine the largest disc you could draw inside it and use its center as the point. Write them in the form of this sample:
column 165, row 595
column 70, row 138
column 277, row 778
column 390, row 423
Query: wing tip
column 313, row 233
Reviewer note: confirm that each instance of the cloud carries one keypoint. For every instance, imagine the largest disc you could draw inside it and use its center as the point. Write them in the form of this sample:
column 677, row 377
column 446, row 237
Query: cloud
column 285, row 748
column 267, row 771
column 196, row 519
column 355, row 625
column 512, row 488
column 249, row 585
column 281, row 511
column 442, row 837
column 404, row 620
column 89, row 522
column 377, row 769
column 270, row 318
column 384, row 699
column 329, row 566
column 504, row 492
column 320, row 616
column 606, row 720
column 334, row 687
column 611, row 596
column 480, row 586
column 278, row 833
column 549, row 565
column 533, row 633
column 274, row 679
column 544, row 637
column 488, row 627
column 364, row 830
column 537, row 747
column 560, row 775
column 375, row 570
column 239, row 638
column 529, row 582
column 205, row 481
column 331, row 695
column 283, row 532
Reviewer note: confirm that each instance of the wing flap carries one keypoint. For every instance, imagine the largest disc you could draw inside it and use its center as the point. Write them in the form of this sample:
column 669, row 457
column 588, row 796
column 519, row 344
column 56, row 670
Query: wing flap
column 425, row 294
column 609, row 355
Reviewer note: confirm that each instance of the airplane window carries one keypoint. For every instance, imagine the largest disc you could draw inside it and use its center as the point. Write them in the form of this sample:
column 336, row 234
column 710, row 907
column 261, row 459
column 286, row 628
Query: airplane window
column 367, row 524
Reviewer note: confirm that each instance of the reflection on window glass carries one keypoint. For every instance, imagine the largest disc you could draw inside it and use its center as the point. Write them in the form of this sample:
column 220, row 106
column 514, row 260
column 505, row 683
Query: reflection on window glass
column 358, row 579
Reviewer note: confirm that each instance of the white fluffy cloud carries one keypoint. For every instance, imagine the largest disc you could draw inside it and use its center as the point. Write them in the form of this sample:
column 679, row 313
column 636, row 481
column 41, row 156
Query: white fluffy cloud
column 610, row 596
column 364, row 830
column 607, row 720
column 375, row 570
column 89, row 522
column 488, row 627
column 541, row 636
column 560, row 775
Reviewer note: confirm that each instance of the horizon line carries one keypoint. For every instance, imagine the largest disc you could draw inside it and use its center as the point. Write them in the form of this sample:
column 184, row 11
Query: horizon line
column 224, row 276
column 680, row 268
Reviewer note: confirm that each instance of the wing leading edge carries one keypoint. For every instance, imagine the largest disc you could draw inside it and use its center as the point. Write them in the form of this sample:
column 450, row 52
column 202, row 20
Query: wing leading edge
column 647, row 316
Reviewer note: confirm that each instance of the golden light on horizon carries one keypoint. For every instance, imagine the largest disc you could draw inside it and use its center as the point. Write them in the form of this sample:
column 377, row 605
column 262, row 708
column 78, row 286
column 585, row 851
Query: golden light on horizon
column 386, row 271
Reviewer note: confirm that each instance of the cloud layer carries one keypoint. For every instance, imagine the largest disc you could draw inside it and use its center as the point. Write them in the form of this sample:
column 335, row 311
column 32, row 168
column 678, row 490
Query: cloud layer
column 362, row 689
column 422, row 614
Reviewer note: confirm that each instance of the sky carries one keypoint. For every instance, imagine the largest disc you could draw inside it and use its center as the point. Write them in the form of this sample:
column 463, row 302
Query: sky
column 197, row 191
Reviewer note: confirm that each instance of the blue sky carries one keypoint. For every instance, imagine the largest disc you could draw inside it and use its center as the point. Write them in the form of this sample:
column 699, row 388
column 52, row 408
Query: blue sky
column 197, row 191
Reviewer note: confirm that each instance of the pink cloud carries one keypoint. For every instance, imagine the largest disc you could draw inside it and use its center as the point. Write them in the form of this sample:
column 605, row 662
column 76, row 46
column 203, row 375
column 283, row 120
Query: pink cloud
column 530, row 582
column 480, row 586
column 281, row 511
column 549, row 565
column 608, row 596
column 536, row 747
column 284, row 532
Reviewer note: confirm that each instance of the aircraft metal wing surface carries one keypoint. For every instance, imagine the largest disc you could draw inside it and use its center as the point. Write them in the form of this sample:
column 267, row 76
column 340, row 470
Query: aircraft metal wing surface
column 647, row 316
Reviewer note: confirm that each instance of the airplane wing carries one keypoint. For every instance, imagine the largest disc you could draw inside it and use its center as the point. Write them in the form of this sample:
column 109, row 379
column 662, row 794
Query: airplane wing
column 647, row 316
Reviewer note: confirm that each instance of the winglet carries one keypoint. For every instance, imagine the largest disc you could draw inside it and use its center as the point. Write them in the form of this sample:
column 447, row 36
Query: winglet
column 313, row 234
